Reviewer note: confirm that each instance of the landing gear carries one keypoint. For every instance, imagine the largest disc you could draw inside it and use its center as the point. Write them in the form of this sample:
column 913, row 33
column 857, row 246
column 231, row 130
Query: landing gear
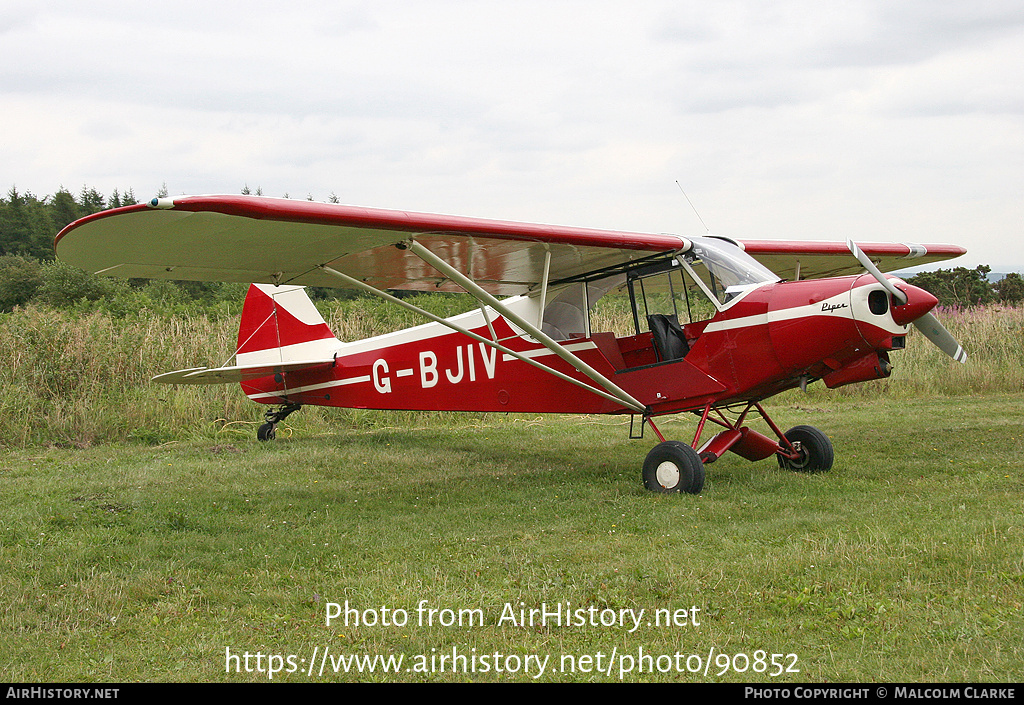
column 673, row 466
column 813, row 447
column 268, row 431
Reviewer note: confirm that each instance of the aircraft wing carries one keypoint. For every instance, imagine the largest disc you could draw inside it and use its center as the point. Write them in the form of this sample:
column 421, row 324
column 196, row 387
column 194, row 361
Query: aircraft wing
column 279, row 241
column 794, row 259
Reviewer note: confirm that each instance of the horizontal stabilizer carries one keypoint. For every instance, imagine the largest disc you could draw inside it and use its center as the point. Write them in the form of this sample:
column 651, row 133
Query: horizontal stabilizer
column 237, row 373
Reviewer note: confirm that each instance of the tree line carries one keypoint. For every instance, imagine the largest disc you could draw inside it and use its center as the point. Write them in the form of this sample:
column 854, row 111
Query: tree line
column 962, row 287
column 28, row 225
column 29, row 271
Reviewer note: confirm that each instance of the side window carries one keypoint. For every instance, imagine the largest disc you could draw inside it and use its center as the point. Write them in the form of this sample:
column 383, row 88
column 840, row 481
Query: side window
column 626, row 304
column 672, row 292
column 597, row 306
column 662, row 294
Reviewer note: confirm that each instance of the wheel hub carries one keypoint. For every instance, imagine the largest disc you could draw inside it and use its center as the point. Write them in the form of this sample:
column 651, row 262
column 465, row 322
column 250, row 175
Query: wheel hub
column 668, row 474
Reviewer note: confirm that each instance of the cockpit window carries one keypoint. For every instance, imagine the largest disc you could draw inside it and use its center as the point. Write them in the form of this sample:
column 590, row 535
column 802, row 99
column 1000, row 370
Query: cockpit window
column 669, row 287
column 725, row 270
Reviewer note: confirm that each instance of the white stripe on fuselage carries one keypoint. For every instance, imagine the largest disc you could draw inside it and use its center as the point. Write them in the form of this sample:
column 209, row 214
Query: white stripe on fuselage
column 540, row 352
column 838, row 305
column 471, row 320
column 327, row 347
column 310, row 387
column 852, row 304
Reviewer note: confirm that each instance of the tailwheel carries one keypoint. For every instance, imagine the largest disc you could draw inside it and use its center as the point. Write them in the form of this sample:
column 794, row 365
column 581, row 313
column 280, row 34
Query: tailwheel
column 673, row 466
column 813, row 448
column 268, row 431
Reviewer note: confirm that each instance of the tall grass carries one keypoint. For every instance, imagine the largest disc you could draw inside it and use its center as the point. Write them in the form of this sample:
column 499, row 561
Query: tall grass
column 77, row 379
column 83, row 377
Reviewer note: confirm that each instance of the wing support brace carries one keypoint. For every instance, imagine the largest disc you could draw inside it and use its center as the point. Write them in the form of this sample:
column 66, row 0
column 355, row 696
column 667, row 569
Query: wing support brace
column 535, row 332
column 492, row 343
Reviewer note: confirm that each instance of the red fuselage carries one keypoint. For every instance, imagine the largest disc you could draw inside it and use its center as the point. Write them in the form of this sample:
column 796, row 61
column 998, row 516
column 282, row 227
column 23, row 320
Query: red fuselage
column 772, row 338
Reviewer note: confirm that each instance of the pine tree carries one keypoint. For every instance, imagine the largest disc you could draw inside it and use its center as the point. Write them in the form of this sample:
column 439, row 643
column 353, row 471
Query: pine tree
column 92, row 201
column 64, row 209
column 15, row 231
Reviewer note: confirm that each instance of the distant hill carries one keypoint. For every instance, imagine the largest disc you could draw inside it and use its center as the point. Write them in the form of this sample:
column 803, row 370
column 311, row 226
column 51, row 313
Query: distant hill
column 996, row 276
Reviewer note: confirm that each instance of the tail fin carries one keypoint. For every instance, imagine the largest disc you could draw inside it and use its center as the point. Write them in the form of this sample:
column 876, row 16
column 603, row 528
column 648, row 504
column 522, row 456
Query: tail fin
column 281, row 324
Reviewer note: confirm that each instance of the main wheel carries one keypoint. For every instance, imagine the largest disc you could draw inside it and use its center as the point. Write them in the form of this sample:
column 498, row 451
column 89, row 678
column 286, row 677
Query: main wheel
column 815, row 448
column 673, row 467
column 266, row 432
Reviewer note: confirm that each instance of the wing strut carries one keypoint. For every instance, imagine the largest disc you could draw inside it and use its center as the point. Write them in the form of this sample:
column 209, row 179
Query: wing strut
column 635, row 405
column 483, row 296
column 544, row 286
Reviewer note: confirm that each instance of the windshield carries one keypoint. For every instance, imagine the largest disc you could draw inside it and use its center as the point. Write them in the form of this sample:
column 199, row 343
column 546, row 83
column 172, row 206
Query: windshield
column 725, row 269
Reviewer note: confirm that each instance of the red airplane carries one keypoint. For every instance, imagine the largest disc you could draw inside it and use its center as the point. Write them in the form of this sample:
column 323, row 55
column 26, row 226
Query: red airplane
column 715, row 329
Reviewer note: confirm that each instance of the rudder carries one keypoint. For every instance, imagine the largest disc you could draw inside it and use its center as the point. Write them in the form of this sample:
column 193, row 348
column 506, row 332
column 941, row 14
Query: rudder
column 281, row 324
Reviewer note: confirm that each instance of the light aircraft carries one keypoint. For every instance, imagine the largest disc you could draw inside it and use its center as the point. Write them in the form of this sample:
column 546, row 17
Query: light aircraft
column 715, row 329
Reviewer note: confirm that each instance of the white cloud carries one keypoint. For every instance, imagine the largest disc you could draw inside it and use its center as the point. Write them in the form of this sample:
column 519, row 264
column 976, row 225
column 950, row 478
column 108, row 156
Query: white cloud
column 792, row 119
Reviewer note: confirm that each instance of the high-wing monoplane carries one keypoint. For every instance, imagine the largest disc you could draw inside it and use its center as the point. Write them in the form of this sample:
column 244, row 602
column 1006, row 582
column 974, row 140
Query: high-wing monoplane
column 712, row 326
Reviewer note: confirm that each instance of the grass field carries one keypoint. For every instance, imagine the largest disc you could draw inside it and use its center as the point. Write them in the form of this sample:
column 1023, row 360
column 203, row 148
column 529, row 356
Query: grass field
column 124, row 561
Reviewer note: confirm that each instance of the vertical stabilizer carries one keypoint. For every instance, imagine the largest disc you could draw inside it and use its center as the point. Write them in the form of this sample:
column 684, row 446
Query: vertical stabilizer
column 281, row 324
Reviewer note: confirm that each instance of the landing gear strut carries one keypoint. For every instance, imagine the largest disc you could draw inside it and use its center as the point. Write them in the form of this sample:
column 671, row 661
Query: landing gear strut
column 673, row 466
column 268, row 430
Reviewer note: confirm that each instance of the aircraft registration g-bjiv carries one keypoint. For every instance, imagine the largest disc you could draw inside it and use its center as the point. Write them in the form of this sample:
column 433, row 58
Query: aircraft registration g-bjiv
column 717, row 325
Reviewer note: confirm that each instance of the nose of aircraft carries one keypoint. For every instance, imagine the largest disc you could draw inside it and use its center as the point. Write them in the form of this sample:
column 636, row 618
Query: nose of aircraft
column 919, row 302
column 924, row 321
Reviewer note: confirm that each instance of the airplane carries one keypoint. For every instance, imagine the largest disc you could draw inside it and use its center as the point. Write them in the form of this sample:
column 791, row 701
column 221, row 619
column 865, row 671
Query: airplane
column 715, row 326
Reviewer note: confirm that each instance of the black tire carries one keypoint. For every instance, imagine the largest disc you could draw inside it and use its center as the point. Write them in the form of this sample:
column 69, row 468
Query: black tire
column 673, row 466
column 816, row 454
column 266, row 432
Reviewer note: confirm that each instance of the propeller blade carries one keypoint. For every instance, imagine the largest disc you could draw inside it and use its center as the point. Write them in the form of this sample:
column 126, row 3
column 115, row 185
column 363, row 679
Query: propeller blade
column 928, row 324
column 933, row 330
column 874, row 271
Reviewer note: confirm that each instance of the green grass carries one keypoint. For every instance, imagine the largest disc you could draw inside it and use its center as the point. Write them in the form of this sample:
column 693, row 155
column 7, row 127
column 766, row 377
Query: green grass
column 124, row 562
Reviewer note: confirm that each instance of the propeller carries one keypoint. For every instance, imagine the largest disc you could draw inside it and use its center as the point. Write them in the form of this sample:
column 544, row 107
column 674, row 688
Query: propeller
column 927, row 323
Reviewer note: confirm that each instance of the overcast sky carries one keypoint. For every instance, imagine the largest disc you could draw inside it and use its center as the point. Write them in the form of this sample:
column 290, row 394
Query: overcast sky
column 888, row 120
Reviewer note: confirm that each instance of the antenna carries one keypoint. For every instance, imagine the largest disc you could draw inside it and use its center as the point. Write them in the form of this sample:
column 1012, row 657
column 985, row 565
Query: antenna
column 706, row 228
